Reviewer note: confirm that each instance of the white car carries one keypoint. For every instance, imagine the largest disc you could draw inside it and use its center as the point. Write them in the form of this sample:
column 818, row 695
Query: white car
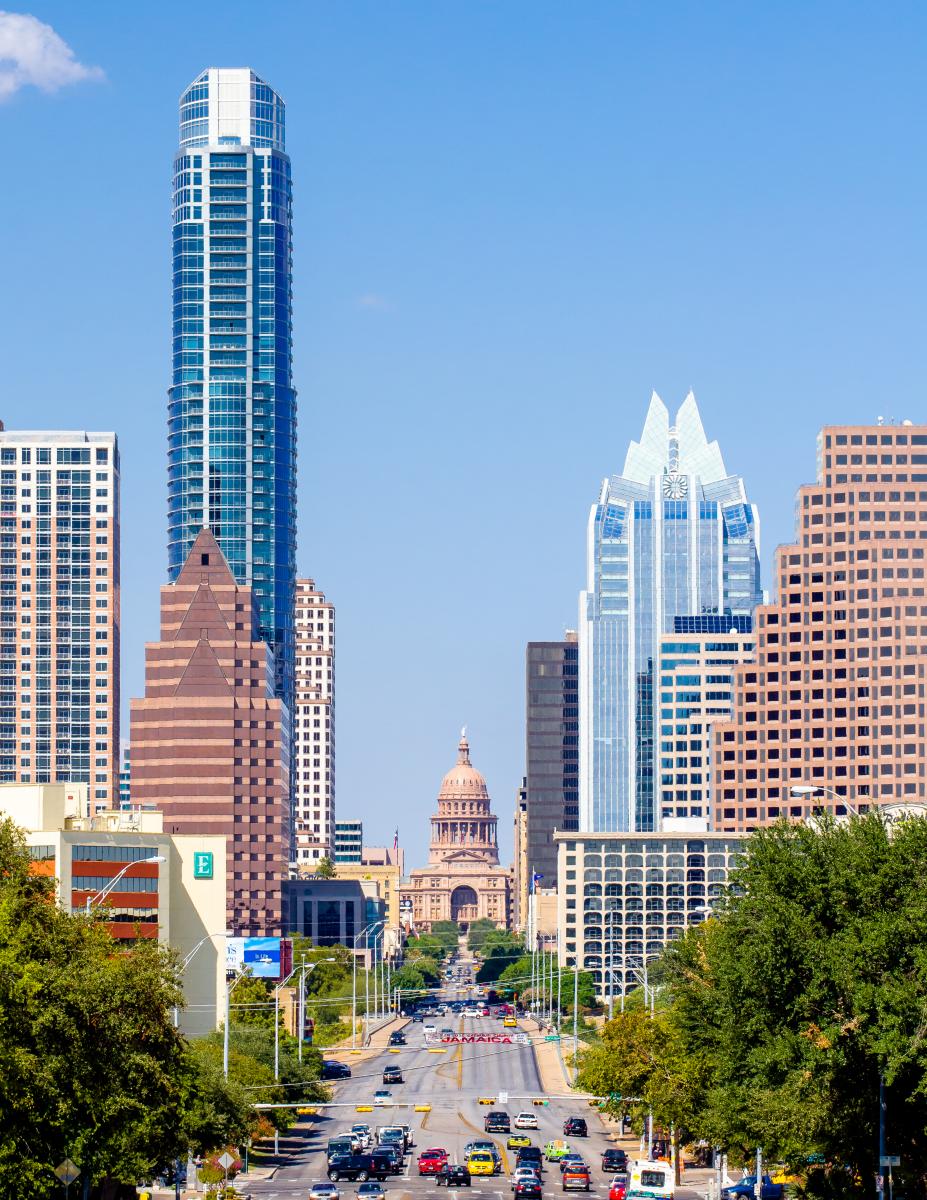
column 323, row 1191
column 429, row 1030
column 383, row 1096
column 363, row 1135
column 525, row 1175
column 525, row 1120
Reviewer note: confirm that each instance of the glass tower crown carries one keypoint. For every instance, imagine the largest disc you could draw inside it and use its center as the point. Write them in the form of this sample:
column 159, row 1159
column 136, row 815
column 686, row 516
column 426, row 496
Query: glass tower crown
column 673, row 536
column 232, row 406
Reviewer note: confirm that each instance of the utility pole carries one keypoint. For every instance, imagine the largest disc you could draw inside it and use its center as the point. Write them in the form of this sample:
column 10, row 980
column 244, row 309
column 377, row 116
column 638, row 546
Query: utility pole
column 880, row 1177
column 302, row 1009
column 575, row 1019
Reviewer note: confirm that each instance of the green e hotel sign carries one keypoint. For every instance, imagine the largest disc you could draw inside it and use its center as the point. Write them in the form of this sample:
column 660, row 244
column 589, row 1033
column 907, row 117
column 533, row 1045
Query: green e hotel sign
column 202, row 864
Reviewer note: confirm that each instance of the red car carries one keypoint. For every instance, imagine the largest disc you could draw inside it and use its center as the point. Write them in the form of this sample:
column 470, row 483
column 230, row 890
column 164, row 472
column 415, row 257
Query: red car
column 431, row 1161
column 618, row 1188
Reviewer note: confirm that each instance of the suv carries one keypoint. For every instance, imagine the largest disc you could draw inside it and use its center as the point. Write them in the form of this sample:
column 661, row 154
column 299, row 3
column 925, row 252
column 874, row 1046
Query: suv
column 497, row 1122
column 331, row 1069
column 527, row 1188
column 397, row 1038
column 453, row 1175
column 747, row 1187
column 392, row 1075
column 357, row 1166
column 575, row 1127
column 530, row 1156
column 575, row 1176
column 614, row 1159
column 392, row 1157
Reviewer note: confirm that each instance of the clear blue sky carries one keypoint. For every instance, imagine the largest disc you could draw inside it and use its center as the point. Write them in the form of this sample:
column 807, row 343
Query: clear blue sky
column 512, row 220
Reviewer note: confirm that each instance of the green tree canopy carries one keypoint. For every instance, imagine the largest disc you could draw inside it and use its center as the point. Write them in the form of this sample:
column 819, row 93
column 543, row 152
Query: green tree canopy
column 810, row 984
column 326, row 868
column 478, row 931
column 500, row 950
column 447, row 933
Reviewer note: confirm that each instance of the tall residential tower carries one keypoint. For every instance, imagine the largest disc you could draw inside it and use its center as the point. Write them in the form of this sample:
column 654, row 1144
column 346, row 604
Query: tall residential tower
column 59, row 611
column 232, row 410
column 672, row 536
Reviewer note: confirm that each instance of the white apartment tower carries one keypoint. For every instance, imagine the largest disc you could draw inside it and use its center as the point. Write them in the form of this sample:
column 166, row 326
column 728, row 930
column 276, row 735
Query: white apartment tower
column 314, row 724
column 59, row 611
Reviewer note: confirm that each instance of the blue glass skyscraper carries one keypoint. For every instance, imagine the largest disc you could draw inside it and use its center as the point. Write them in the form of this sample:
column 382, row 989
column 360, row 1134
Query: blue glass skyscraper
column 672, row 536
column 232, row 408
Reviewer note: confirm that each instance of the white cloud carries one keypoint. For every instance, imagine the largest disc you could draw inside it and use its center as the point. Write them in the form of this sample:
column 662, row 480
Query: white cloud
column 372, row 300
column 32, row 53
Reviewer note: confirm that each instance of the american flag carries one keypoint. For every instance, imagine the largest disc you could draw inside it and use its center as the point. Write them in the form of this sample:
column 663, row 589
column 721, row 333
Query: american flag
column 396, row 840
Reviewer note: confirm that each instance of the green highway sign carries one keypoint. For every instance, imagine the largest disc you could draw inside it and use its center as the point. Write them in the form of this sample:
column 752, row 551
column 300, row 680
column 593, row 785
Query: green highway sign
column 552, row 1037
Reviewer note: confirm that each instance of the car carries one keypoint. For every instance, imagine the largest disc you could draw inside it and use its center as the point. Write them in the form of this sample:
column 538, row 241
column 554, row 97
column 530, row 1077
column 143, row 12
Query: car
column 746, row 1187
column 332, row 1069
column 453, row 1175
column 525, row 1120
column 344, row 1143
column 392, row 1075
column 382, row 1096
column 446, row 1032
column 555, row 1150
column 410, row 1136
column 497, row 1122
column 509, row 1023
column 397, row 1037
column 481, row 1162
column 484, row 1011
column 357, row 1166
column 429, row 1030
column 323, row 1191
column 371, row 1190
column 570, row 1160
column 485, row 1144
column 575, row 1177
column 575, row 1127
column 430, row 1162
column 618, row 1188
column 517, row 1141
column 417, row 1017
column 614, row 1159
column 524, row 1173
column 528, row 1189
column 363, row 1135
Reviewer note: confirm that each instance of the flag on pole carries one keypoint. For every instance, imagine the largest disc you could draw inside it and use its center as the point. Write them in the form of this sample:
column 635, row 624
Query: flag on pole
column 536, row 878
column 396, row 839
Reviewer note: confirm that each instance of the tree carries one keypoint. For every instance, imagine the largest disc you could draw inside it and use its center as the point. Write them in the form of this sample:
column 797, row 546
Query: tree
column 500, row 950
column 425, row 945
column 92, row 1065
column 447, row 933
column 408, row 979
column 478, row 931
column 809, row 985
column 326, row 868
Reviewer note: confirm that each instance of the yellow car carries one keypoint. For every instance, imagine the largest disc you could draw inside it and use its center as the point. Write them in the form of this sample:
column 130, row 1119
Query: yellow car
column 481, row 1162
column 509, row 1023
column 517, row 1141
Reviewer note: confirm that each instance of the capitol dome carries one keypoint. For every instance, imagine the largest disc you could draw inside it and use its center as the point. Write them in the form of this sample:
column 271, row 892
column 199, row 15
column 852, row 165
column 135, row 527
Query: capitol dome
column 463, row 781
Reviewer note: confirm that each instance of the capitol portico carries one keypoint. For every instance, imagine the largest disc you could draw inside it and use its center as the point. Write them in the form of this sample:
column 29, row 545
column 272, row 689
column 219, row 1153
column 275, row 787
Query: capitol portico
column 463, row 880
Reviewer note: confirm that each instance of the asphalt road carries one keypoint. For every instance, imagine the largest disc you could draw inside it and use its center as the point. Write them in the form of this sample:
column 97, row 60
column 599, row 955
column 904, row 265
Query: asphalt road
column 451, row 1081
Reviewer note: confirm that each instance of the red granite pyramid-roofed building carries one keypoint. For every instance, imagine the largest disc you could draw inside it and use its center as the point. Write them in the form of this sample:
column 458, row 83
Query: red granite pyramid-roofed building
column 209, row 739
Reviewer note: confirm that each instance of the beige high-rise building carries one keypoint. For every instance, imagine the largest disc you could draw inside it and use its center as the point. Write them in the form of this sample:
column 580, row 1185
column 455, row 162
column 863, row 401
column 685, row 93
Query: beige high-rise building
column 59, row 610
column 696, row 671
column 314, row 724
column 830, row 716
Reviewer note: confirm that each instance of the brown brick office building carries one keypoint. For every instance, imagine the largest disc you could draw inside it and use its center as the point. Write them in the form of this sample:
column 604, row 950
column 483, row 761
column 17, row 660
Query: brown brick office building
column 835, row 700
column 208, row 738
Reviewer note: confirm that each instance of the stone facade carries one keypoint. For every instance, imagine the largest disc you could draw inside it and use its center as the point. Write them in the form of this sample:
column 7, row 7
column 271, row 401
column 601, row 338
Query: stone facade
column 463, row 880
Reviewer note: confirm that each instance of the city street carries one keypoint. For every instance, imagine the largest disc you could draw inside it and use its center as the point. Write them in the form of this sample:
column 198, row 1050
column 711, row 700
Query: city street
column 451, row 1080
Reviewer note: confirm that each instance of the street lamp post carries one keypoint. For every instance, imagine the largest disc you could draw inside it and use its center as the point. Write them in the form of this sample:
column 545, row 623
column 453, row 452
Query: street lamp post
column 228, row 1009
column 186, row 960
column 362, row 933
column 815, row 789
column 101, row 895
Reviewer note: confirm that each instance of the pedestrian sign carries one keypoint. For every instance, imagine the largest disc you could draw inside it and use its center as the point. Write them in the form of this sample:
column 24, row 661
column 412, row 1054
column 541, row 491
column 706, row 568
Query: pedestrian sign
column 890, row 1160
column 67, row 1172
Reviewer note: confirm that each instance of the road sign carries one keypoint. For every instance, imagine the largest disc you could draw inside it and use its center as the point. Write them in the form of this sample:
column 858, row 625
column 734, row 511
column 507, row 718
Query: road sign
column 225, row 1160
column 67, row 1172
column 503, row 1098
column 552, row 1037
column 890, row 1160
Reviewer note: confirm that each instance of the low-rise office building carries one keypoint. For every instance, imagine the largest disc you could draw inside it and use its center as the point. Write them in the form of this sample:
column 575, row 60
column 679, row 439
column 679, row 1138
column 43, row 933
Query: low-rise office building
column 622, row 897
column 335, row 912
column 171, row 887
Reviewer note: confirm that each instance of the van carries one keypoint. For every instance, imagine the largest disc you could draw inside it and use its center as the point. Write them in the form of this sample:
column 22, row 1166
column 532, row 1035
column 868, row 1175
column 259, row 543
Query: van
column 345, row 1144
column 651, row 1179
